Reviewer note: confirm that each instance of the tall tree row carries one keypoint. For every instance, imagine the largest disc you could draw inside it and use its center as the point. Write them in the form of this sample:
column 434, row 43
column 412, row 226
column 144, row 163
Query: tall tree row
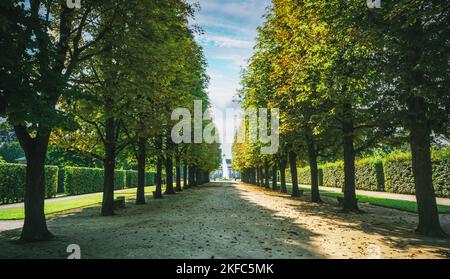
column 346, row 78
column 101, row 80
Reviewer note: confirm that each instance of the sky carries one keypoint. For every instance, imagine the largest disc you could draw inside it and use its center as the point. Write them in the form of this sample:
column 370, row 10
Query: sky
column 229, row 33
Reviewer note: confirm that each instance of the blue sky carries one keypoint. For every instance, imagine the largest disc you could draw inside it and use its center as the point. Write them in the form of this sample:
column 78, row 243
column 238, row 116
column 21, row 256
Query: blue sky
column 229, row 36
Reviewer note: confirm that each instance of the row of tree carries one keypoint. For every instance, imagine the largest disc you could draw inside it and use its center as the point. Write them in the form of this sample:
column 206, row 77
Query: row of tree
column 102, row 81
column 349, row 79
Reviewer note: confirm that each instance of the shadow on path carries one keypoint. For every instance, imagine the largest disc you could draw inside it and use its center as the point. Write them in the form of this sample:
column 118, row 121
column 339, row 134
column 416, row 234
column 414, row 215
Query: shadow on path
column 212, row 221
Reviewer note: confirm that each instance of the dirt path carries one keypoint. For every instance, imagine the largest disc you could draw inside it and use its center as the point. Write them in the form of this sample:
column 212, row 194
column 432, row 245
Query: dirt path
column 231, row 221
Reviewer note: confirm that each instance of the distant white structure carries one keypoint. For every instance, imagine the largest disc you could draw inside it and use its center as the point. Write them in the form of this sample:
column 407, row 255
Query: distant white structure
column 225, row 173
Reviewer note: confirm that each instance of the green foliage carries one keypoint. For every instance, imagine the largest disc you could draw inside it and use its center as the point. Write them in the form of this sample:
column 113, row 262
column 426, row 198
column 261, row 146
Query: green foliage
column 400, row 178
column 51, row 181
column 120, row 179
column 333, row 174
column 150, row 178
column 369, row 174
column 79, row 181
column 131, row 179
column 12, row 182
column 11, row 151
column 304, row 176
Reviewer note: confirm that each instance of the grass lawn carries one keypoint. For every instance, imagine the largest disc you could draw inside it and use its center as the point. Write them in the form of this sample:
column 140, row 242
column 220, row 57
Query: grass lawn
column 60, row 206
column 409, row 206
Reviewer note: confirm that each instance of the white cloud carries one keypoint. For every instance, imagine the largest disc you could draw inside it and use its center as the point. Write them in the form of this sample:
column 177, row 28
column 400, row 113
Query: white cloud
column 238, row 60
column 223, row 41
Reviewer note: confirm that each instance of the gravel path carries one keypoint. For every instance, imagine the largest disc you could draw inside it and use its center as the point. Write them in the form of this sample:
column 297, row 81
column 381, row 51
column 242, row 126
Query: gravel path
column 231, row 220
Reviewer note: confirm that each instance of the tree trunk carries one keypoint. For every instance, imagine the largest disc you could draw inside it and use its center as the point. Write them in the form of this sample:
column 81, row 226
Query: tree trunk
column 422, row 168
column 350, row 203
column 258, row 176
column 169, row 175
column 198, row 177
column 274, row 178
column 191, row 176
column 178, row 173
column 253, row 178
column 159, row 164
column 261, row 176
column 293, row 167
column 140, row 194
column 185, row 176
column 266, row 174
column 109, row 167
column 312, row 155
column 35, row 226
column 283, row 164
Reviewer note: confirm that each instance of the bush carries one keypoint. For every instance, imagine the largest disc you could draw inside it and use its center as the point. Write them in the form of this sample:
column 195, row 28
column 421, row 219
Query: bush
column 51, row 181
column 12, row 182
column 369, row 174
column 120, row 179
column 11, row 151
column 78, row 181
column 304, row 176
column 132, row 179
column 333, row 174
column 399, row 176
column 149, row 178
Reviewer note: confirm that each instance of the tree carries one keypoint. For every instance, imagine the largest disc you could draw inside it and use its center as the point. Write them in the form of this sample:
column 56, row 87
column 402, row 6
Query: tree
column 413, row 64
column 49, row 41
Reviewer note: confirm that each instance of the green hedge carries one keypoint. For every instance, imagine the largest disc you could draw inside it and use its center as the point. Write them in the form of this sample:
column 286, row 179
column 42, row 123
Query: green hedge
column 131, row 179
column 12, row 182
column 304, row 176
column 78, row 181
column 369, row 174
column 333, row 174
column 399, row 176
column 120, row 179
column 68, row 180
column 51, row 181
column 149, row 178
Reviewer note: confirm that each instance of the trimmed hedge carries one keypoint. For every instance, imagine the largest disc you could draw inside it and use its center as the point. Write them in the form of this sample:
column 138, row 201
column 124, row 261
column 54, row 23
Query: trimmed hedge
column 399, row 176
column 304, row 176
column 390, row 174
column 78, row 181
column 333, row 174
column 12, row 182
column 120, row 179
column 68, row 180
column 369, row 174
column 149, row 178
column 51, row 181
column 131, row 179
